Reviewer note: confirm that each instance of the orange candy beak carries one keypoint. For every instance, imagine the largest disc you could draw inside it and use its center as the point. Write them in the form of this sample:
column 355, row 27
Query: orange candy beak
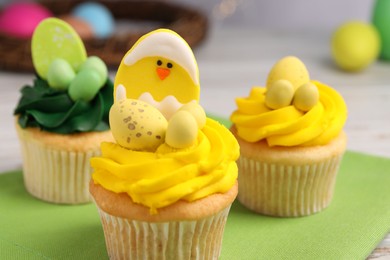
column 163, row 73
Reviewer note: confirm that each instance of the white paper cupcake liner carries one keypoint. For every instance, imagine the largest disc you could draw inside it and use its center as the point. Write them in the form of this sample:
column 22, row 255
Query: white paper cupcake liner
column 285, row 190
column 56, row 176
column 132, row 239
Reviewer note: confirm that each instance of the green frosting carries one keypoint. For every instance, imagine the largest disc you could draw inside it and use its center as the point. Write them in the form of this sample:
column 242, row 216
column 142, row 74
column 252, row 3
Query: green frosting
column 53, row 110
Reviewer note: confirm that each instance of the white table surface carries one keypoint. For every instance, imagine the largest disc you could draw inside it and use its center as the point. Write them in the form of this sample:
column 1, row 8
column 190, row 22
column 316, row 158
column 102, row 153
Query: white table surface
column 230, row 62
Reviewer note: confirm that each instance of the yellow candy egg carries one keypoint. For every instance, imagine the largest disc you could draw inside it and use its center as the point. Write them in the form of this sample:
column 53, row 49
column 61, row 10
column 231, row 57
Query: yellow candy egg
column 182, row 130
column 289, row 68
column 279, row 94
column 355, row 45
column 306, row 97
column 197, row 112
column 137, row 125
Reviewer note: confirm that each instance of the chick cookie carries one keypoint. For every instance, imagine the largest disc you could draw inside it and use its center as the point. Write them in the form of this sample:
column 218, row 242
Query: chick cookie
column 160, row 69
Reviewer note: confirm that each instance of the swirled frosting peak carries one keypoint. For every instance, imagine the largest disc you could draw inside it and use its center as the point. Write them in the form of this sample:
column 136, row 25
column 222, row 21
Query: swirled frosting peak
column 159, row 178
column 284, row 115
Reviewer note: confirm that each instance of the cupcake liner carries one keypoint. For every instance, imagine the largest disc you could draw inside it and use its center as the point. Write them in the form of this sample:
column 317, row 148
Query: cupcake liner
column 286, row 190
column 133, row 239
column 56, row 176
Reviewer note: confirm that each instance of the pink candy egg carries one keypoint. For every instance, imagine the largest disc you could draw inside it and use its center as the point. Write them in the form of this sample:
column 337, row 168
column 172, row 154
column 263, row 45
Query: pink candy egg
column 20, row 19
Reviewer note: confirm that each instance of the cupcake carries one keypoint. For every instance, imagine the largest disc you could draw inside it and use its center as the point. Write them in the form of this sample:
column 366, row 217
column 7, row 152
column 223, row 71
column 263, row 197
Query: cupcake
column 291, row 142
column 62, row 118
column 164, row 188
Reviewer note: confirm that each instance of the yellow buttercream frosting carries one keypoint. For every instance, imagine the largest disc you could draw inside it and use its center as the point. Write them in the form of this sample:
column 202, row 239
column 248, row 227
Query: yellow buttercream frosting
column 289, row 126
column 158, row 179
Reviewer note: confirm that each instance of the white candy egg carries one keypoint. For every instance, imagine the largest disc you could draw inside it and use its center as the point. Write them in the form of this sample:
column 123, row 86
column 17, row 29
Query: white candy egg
column 182, row 130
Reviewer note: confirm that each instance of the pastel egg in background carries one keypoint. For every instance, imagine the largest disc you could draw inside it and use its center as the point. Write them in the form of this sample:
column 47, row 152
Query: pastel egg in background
column 83, row 28
column 381, row 20
column 20, row 19
column 355, row 45
column 98, row 16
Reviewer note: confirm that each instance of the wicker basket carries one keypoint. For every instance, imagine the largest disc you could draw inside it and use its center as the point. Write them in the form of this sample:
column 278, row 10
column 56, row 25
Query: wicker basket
column 190, row 24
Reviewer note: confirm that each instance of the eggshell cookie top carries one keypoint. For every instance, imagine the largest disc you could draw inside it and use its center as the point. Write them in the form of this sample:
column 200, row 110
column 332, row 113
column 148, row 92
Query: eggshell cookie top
column 160, row 65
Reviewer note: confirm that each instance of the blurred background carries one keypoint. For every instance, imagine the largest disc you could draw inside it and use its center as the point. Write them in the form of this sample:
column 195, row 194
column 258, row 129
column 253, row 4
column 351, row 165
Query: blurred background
column 235, row 50
column 278, row 14
column 281, row 14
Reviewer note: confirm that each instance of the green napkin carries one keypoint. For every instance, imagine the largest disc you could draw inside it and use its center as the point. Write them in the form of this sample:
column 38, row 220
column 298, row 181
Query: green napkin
column 356, row 221
column 33, row 229
column 350, row 228
column 354, row 224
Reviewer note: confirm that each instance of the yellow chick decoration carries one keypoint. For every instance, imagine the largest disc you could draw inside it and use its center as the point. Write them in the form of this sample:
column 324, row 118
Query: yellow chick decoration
column 161, row 70
column 135, row 124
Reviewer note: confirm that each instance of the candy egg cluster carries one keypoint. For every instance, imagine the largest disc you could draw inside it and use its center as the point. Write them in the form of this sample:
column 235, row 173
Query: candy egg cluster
column 81, row 85
column 137, row 125
column 59, row 56
column 289, row 83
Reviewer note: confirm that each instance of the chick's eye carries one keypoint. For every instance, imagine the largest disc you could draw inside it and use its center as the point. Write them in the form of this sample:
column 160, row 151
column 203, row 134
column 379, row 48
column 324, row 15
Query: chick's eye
column 169, row 65
column 159, row 62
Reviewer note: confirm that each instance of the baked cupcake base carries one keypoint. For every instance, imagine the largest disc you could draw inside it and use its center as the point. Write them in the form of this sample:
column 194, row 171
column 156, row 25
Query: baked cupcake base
column 285, row 181
column 56, row 167
column 183, row 230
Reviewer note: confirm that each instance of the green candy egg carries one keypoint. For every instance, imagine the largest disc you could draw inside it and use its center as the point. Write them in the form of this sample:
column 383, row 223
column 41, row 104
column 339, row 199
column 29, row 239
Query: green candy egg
column 96, row 64
column 85, row 85
column 60, row 74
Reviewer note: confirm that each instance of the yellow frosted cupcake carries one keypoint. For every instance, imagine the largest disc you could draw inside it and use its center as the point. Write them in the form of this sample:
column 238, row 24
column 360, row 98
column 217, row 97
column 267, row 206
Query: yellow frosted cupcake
column 63, row 117
column 291, row 142
column 164, row 188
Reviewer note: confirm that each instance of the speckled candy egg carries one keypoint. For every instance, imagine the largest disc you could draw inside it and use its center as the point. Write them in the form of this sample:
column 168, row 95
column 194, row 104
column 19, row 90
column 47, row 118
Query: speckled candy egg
column 136, row 125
